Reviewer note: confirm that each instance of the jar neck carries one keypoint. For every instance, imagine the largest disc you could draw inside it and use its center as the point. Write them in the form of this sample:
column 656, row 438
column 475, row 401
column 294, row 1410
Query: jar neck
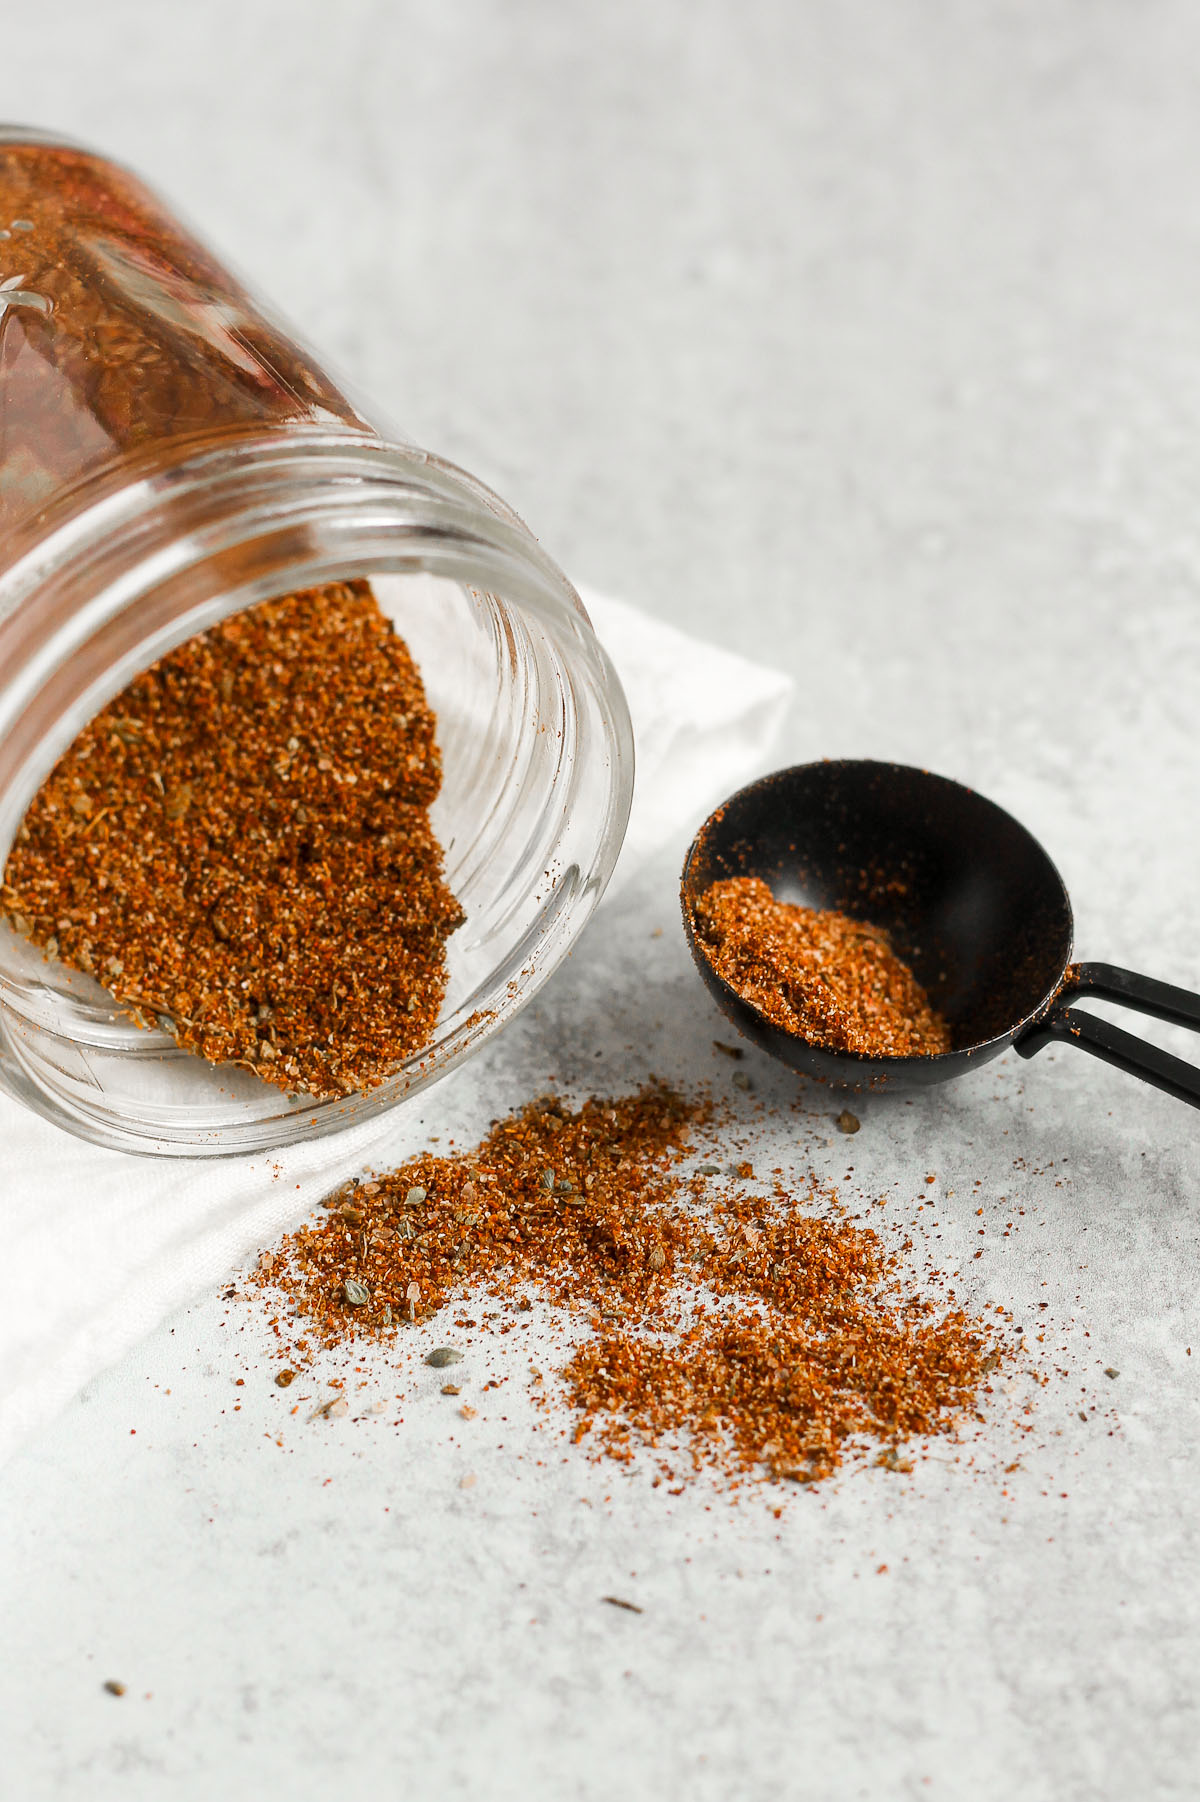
column 135, row 564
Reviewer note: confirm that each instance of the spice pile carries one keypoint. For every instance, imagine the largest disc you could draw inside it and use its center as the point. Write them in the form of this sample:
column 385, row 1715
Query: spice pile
column 831, row 980
column 746, row 1327
column 240, row 846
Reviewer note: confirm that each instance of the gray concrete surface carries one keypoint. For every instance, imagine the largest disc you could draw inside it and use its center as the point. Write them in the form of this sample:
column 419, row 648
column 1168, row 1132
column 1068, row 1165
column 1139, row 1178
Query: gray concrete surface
column 863, row 338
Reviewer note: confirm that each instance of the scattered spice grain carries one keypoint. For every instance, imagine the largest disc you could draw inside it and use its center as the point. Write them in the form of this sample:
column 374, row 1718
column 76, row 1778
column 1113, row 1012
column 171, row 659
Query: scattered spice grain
column 764, row 1333
column 239, row 846
column 114, row 1687
column 332, row 1409
column 816, row 973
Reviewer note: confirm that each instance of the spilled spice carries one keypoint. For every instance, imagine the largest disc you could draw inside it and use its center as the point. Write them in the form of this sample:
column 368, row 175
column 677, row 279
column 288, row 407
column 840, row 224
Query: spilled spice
column 831, row 980
column 763, row 1333
column 239, row 846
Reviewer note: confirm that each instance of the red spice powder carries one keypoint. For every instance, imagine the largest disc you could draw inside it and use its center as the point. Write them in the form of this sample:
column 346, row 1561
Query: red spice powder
column 765, row 1333
column 831, row 980
column 240, row 846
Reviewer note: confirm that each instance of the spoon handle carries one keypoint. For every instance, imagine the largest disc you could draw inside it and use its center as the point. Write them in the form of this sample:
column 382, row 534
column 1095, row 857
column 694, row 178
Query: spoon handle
column 1145, row 995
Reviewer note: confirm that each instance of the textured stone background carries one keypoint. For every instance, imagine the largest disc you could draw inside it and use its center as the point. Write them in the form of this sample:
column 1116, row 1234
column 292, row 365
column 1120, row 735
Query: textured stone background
column 863, row 339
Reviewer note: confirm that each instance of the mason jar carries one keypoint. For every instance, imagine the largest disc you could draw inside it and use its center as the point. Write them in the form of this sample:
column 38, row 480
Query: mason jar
column 169, row 455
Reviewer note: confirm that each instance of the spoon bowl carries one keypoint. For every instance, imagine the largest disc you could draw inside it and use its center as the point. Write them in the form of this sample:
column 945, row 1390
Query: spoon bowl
column 968, row 898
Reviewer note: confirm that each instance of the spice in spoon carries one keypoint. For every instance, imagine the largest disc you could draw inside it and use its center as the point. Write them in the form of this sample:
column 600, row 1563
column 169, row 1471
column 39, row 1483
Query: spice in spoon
column 831, row 980
column 239, row 846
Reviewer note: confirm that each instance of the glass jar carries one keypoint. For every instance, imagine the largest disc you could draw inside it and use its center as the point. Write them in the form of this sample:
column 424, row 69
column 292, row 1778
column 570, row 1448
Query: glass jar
column 169, row 456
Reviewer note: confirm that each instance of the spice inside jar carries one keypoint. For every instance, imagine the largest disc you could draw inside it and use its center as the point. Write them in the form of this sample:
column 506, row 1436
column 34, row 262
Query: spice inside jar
column 239, row 846
column 169, row 456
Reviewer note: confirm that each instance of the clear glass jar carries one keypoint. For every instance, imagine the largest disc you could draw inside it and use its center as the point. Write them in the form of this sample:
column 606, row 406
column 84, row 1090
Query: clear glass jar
column 168, row 456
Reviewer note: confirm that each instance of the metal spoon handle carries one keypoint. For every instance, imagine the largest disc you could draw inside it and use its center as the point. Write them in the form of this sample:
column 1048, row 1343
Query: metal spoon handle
column 1144, row 994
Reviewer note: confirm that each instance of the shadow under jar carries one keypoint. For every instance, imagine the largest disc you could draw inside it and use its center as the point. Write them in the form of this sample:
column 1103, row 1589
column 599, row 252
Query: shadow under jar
column 169, row 457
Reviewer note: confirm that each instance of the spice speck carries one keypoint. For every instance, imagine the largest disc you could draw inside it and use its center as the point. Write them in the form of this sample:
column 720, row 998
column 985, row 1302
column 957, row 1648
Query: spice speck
column 333, row 1409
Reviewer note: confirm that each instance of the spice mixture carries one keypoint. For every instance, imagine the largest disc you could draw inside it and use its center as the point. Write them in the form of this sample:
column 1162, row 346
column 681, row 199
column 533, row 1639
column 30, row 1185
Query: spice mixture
column 831, row 980
column 121, row 335
column 240, row 845
column 760, row 1331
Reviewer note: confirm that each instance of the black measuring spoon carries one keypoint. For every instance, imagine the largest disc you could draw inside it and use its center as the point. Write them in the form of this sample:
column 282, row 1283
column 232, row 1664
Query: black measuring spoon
column 969, row 899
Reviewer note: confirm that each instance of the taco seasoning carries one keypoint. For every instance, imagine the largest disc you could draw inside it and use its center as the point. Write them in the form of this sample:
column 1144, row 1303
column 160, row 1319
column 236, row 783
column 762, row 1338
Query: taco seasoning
column 239, row 846
column 221, row 753
column 121, row 335
column 815, row 972
column 745, row 1327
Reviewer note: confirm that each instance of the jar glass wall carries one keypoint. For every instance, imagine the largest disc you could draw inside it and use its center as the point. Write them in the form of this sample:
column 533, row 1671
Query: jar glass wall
column 169, row 457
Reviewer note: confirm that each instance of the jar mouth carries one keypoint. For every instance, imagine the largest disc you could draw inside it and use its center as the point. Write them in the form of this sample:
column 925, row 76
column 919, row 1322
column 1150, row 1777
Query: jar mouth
column 536, row 743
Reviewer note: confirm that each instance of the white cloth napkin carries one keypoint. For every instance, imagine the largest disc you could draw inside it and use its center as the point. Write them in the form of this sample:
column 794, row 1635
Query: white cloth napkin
column 100, row 1246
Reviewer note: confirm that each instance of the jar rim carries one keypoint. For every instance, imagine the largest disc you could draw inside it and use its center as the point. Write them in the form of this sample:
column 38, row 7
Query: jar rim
column 136, row 562
column 219, row 523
